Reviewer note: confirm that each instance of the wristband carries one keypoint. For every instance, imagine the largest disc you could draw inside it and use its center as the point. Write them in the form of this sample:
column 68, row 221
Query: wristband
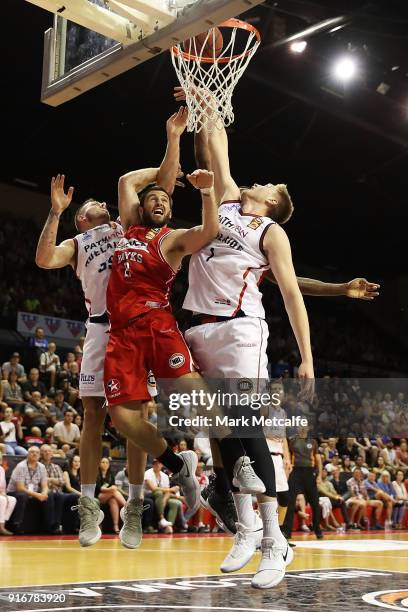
column 206, row 191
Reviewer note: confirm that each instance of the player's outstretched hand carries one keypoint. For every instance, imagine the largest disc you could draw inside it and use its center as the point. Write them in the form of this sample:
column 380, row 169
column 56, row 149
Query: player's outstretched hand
column 59, row 199
column 176, row 124
column 179, row 94
column 201, row 179
column 307, row 382
column 361, row 289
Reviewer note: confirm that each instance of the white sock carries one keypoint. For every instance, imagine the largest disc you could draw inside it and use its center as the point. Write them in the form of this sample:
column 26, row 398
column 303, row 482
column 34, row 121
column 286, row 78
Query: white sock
column 88, row 490
column 245, row 511
column 135, row 491
column 270, row 519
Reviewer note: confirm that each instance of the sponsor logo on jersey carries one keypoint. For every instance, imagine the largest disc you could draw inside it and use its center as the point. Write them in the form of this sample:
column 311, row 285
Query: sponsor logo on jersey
column 86, row 236
column 245, row 384
column 394, row 599
column 230, row 241
column 255, row 223
column 177, row 360
column 225, row 301
column 132, row 243
column 113, row 386
column 228, row 224
column 87, row 379
column 151, row 381
column 153, row 231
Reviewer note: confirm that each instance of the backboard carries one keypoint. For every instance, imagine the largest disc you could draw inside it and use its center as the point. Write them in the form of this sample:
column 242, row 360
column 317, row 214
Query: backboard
column 93, row 41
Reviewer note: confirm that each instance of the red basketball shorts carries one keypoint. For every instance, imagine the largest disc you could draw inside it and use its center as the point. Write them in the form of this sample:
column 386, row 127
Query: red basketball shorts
column 152, row 342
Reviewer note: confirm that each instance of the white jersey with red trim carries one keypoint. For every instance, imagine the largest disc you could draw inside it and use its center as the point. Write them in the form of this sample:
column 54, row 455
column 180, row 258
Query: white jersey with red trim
column 224, row 277
column 94, row 251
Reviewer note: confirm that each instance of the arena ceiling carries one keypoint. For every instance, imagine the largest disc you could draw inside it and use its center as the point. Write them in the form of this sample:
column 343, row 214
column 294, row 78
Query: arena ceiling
column 341, row 147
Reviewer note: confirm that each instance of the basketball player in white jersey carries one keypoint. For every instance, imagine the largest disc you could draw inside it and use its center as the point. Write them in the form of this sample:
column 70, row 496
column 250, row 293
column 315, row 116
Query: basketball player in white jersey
column 90, row 254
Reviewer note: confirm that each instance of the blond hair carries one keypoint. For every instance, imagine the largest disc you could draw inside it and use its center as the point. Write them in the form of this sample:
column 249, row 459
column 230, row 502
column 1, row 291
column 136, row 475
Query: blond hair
column 284, row 210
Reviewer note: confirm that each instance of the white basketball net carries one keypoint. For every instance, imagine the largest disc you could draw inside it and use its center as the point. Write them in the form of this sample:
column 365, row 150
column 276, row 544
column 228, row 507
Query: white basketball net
column 209, row 85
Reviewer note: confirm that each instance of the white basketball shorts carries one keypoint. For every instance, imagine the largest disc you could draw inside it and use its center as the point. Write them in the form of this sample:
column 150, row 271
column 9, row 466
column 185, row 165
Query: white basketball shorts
column 231, row 349
column 91, row 379
column 280, row 474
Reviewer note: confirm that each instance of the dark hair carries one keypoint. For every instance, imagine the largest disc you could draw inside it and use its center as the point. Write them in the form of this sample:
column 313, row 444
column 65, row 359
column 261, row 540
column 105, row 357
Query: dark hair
column 81, row 209
column 143, row 195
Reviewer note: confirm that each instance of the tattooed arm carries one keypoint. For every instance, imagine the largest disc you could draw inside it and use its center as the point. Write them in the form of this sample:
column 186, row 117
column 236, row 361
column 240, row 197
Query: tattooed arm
column 49, row 255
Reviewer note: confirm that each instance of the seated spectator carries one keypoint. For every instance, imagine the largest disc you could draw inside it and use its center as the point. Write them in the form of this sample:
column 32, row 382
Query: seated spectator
column 390, row 456
column 36, row 413
column 34, row 384
column 123, row 485
column 402, row 456
column 29, row 485
column 349, row 447
column 70, row 358
column 9, row 431
column 56, row 483
column 182, row 445
column 34, row 438
column 72, row 381
column 66, row 433
column 401, row 498
column 78, row 421
column 358, row 490
column 50, row 364
column 37, row 345
column 14, row 365
column 158, row 483
column 388, row 499
column 13, row 393
column 379, row 466
column 72, row 476
column 304, row 518
column 376, row 491
column 346, row 465
column 367, row 451
column 363, row 467
column 59, row 407
column 107, row 492
column 326, row 488
column 7, row 502
column 3, row 404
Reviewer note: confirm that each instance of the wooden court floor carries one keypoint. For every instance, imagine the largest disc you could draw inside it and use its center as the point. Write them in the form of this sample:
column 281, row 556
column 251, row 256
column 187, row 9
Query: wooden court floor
column 182, row 572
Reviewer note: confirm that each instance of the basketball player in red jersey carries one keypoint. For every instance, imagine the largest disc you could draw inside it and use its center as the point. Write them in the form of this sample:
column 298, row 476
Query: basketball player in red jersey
column 90, row 254
column 144, row 334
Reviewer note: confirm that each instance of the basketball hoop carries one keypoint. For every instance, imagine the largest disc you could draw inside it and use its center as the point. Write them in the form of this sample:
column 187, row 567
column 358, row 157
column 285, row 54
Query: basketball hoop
column 209, row 81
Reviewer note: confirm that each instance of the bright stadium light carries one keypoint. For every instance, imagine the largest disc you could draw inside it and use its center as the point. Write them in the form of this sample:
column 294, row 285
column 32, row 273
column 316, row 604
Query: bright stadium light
column 298, row 46
column 345, row 68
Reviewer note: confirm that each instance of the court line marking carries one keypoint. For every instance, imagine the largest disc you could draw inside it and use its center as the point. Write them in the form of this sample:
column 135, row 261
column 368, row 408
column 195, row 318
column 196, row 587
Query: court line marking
column 61, row 584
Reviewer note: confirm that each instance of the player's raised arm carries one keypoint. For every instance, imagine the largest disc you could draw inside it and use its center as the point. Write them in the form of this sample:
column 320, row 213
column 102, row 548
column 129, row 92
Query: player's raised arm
column 169, row 170
column 166, row 175
column 184, row 242
column 278, row 252
column 358, row 288
column 49, row 255
column 213, row 147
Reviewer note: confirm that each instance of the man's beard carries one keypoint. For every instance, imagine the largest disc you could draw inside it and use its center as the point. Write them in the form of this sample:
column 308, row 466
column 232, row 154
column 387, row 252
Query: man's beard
column 150, row 221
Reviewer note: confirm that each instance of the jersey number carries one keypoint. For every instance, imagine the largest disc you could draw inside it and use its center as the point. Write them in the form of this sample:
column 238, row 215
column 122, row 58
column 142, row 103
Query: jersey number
column 105, row 265
column 211, row 254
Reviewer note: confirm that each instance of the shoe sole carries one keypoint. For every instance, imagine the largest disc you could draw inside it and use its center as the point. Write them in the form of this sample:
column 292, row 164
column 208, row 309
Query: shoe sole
column 191, row 511
column 98, row 535
column 251, row 491
column 270, row 584
column 219, row 520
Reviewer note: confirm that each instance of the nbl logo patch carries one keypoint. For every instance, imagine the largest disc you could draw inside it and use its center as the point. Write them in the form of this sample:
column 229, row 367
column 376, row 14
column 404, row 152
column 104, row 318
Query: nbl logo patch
column 177, row 360
column 245, row 385
column 255, row 223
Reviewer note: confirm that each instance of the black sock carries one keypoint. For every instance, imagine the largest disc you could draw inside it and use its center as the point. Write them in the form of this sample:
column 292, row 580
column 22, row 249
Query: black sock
column 231, row 449
column 171, row 461
column 222, row 485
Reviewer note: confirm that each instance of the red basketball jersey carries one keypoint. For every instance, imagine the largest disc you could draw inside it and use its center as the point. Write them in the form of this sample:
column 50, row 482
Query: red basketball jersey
column 141, row 278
